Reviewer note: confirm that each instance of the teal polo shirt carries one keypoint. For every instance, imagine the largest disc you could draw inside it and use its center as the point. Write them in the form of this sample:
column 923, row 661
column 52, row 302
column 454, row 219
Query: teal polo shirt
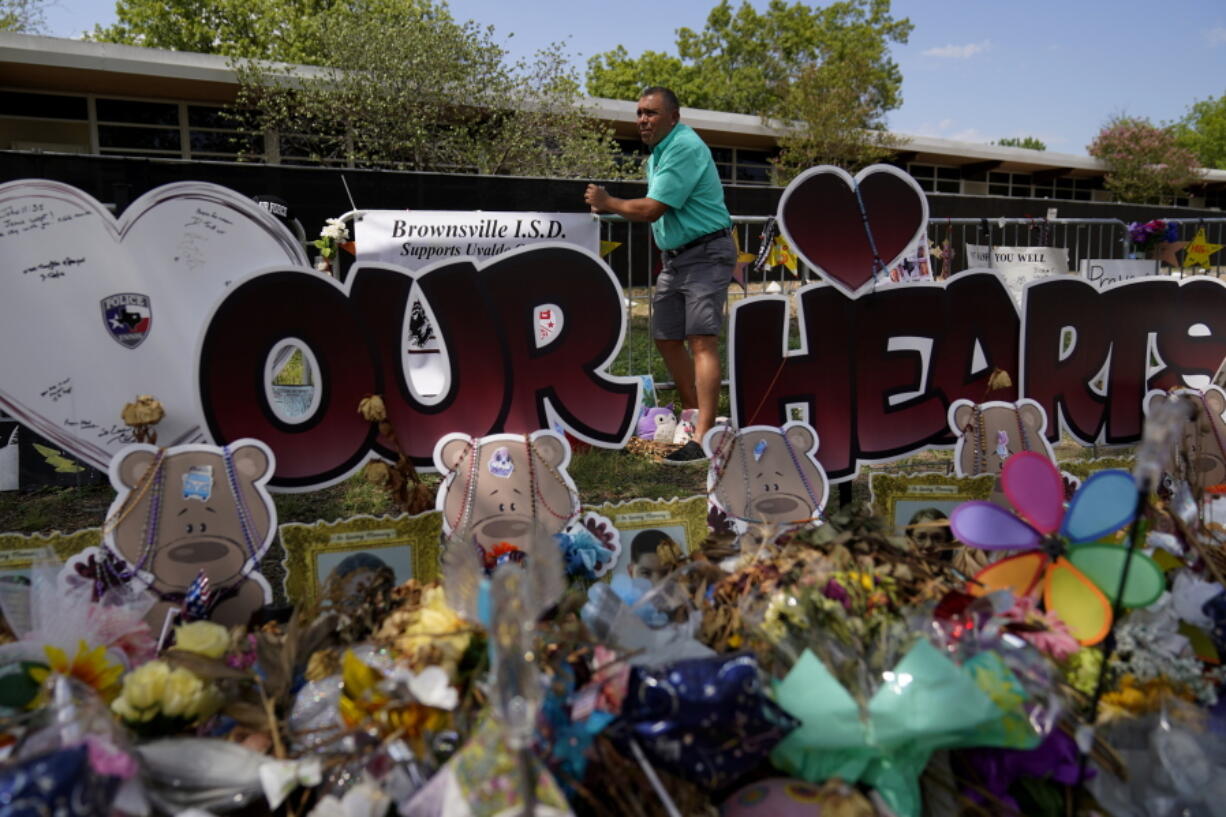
column 681, row 174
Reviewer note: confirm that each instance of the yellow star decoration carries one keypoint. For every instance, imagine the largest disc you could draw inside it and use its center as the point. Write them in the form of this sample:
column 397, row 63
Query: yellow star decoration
column 1199, row 249
column 607, row 247
column 781, row 255
column 743, row 259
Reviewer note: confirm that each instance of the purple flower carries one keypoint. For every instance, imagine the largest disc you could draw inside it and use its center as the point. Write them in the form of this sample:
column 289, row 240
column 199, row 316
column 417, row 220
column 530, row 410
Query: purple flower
column 834, row 590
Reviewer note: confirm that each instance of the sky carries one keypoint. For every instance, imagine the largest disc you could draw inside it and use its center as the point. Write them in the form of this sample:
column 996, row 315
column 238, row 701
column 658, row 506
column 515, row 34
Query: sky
column 973, row 70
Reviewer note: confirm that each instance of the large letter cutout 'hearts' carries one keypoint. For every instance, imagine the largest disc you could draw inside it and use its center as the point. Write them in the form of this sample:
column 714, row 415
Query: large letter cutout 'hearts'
column 835, row 231
column 98, row 310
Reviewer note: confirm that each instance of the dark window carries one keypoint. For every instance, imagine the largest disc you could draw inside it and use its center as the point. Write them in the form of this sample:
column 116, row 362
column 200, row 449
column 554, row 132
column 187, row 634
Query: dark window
column 112, row 136
column 725, row 172
column 754, row 173
column 998, row 178
column 954, row 173
column 201, row 117
column 949, row 186
column 926, row 184
column 144, row 113
column 48, row 106
column 721, row 154
column 216, row 142
column 998, row 189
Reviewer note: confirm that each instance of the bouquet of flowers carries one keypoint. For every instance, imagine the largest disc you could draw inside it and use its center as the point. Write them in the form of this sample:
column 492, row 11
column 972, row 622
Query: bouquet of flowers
column 1148, row 235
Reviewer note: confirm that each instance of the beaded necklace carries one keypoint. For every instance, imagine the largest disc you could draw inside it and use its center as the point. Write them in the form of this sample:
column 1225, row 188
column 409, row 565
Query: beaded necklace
column 536, row 487
column 151, row 482
column 732, row 441
column 470, row 487
column 978, row 434
column 244, row 516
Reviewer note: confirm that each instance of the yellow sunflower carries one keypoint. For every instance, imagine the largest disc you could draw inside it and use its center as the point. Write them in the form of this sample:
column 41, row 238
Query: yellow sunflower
column 88, row 666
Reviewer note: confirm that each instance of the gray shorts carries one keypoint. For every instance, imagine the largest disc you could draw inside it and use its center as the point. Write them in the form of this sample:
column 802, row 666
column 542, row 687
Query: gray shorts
column 691, row 291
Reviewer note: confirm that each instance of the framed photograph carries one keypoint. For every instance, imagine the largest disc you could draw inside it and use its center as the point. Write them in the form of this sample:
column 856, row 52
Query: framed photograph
column 645, row 524
column 908, row 500
column 408, row 546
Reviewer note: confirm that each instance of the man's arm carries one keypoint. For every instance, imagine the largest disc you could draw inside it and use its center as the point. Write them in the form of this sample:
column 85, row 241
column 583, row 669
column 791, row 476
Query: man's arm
column 643, row 209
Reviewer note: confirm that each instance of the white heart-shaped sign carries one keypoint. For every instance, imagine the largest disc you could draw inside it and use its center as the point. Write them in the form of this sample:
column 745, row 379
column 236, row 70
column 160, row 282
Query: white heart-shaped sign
column 98, row 310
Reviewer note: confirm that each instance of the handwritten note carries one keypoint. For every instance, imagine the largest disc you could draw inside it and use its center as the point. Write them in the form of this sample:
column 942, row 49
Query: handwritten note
column 49, row 270
column 57, row 390
column 16, row 219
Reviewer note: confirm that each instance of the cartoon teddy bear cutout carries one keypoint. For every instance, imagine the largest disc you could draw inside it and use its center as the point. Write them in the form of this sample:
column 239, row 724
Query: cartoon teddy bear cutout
column 766, row 474
column 1202, row 453
column 505, row 488
column 191, row 508
column 989, row 433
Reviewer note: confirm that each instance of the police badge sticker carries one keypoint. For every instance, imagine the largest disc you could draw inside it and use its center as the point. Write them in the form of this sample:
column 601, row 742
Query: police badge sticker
column 127, row 316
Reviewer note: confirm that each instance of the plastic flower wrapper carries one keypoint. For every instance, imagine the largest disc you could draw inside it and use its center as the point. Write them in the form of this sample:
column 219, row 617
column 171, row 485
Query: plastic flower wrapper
column 399, row 700
column 485, row 779
column 626, row 628
column 62, row 630
column 1151, row 655
column 706, row 720
column 875, row 696
column 75, row 725
column 926, row 702
column 1174, row 763
column 61, row 782
column 203, row 773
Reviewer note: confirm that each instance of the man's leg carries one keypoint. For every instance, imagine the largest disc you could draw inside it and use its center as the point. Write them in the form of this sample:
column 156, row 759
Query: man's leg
column 705, row 349
column 681, row 367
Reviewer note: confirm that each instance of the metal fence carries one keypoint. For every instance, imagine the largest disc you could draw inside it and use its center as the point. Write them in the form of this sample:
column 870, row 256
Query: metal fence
column 636, row 261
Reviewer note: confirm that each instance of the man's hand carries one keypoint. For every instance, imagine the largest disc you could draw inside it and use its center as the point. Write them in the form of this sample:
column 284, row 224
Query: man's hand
column 597, row 197
column 631, row 209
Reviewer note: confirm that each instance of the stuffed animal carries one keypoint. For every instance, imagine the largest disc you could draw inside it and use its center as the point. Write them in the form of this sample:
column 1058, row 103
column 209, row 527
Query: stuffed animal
column 657, row 423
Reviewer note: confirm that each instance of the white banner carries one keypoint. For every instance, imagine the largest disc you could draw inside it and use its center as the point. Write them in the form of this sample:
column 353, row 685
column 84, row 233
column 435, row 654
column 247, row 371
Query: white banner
column 1106, row 271
column 416, row 238
column 1018, row 265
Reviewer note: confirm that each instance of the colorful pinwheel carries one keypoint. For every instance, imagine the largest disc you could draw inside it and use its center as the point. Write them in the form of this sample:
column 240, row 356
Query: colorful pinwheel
column 1078, row 579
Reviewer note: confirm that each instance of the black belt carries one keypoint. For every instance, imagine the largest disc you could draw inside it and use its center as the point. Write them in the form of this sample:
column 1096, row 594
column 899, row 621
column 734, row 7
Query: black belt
column 702, row 239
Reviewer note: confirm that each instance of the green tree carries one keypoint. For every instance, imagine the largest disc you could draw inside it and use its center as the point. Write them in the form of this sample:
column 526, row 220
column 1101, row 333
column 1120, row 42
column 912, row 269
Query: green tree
column 834, row 121
column 1028, row 142
column 1144, row 161
column 411, row 88
column 746, row 61
column 1202, row 130
column 21, row 15
column 287, row 30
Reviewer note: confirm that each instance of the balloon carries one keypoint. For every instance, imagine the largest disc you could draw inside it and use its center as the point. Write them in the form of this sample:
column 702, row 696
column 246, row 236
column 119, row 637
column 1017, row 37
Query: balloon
column 775, row 797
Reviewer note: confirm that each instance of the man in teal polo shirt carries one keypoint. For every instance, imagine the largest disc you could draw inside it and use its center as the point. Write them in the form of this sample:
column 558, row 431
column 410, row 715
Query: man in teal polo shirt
column 691, row 226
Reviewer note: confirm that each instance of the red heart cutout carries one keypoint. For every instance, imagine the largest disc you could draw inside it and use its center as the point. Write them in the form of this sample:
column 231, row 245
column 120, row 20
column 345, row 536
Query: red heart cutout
column 821, row 218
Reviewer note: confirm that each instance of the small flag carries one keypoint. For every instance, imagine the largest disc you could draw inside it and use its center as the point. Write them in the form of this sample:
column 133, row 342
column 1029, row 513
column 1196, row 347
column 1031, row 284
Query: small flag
column 199, row 599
